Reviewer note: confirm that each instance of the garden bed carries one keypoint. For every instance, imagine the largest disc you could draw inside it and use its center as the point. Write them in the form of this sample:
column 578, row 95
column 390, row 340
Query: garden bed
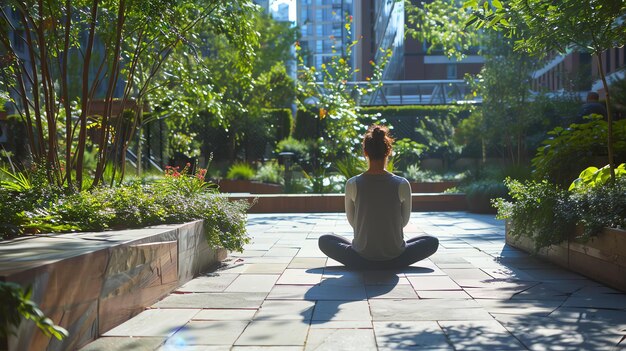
column 89, row 283
column 602, row 258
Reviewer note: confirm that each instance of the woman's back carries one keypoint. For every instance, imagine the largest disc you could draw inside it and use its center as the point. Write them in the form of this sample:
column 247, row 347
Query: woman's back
column 381, row 206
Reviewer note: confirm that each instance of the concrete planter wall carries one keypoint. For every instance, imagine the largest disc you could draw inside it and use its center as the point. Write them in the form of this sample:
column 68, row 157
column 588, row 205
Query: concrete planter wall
column 252, row 187
column 247, row 186
column 298, row 203
column 603, row 258
column 91, row 282
column 432, row 187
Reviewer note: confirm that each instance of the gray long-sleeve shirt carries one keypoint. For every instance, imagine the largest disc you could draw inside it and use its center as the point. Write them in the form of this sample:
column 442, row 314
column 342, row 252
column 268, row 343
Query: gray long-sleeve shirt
column 378, row 206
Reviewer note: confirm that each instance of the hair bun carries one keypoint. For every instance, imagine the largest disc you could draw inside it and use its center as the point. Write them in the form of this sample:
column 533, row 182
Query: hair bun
column 378, row 132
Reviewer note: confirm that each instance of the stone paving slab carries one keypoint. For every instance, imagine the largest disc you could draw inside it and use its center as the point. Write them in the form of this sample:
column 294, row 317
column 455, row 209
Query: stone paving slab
column 209, row 332
column 213, row 300
column 125, row 343
column 274, row 333
column 341, row 339
column 154, row 322
column 475, row 293
column 409, row 335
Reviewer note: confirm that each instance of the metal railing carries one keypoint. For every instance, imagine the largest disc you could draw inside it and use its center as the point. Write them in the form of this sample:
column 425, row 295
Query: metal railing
column 418, row 92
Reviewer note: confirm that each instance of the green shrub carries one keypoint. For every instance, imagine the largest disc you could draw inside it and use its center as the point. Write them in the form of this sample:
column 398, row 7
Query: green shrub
column 269, row 172
column 592, row 177
column 176, row 198
column 540, row 211
column 568, row 151
column 321, row 182
column 407, row 152
column 437, row 133
column 351, row 166
column 547, row 214
column 240, row 171
column 84, row 210
column 280, row 122
column 599, row 206
column 416, row 174
column 301, row 150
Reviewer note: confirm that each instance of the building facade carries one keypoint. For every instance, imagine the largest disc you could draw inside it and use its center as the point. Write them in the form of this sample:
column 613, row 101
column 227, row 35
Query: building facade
column 578, row 72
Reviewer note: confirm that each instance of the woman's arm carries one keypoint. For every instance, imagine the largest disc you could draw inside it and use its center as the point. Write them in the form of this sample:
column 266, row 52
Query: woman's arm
column 404, row 193
column 350, row 198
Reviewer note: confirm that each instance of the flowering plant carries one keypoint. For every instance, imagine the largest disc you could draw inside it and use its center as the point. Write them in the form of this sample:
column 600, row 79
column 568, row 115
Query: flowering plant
column 186, row 183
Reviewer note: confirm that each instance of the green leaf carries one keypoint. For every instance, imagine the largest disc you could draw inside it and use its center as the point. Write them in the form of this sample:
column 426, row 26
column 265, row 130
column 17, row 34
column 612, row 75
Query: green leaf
column 472, row 20
column 470, row 4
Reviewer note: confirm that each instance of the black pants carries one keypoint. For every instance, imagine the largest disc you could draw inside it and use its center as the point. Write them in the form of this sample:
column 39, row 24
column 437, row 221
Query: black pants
column 340, row 249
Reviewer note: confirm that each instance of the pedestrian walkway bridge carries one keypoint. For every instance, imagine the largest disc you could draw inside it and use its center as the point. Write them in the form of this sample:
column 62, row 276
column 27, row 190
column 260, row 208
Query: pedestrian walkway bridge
column 419, row 92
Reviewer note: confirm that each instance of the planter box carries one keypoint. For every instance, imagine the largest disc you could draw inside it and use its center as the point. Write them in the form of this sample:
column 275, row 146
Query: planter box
column 602, row 258
column 247, row 186
column 91, row 282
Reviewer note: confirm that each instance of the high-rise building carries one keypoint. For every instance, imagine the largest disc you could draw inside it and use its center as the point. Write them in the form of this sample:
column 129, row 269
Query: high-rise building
column 322, row 26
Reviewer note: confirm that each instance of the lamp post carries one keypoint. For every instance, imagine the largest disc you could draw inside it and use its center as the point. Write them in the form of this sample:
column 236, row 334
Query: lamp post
column 286, row 158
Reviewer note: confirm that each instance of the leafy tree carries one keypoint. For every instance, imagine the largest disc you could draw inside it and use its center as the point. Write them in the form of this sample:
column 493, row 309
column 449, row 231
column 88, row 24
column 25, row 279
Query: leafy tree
column 118, row 47
column 441, row 24
column 331, row 98
column 274, row 88
column 558, row 26
column 507, row 115
column 241, row 86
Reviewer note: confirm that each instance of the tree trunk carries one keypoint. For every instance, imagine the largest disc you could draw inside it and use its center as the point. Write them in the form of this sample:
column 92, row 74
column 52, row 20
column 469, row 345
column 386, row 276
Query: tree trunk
column 82, row 134
column 139, row 137
column 609, row 117
column 65, row 95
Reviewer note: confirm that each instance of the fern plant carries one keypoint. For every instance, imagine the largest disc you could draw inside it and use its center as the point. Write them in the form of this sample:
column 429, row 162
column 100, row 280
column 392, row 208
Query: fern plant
column 240, row 171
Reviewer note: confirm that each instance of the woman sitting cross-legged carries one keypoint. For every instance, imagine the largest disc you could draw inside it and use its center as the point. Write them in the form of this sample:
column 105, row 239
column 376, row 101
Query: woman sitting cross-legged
column 378, row 207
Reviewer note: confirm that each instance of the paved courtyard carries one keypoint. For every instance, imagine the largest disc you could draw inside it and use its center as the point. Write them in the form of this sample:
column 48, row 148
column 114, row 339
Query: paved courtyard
column 475, row 293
